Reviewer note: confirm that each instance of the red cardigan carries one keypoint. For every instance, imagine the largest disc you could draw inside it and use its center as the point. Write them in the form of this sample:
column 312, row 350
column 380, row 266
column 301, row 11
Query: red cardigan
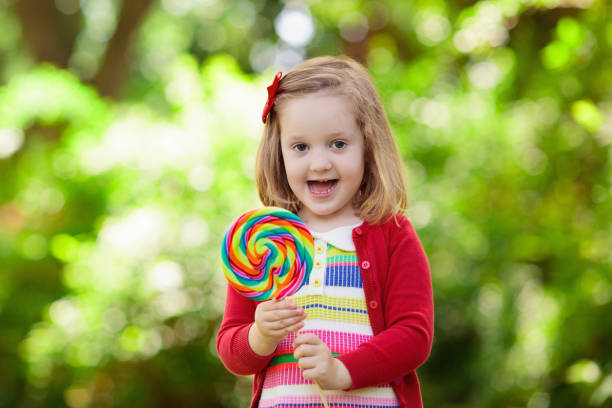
column 397, row 286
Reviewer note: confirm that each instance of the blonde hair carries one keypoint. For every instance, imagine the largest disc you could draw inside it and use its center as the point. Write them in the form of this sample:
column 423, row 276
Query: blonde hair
column 382, row 193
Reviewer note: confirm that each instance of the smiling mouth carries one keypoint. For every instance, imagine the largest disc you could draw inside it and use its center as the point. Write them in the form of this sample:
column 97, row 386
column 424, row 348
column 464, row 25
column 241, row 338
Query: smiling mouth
column 322, row 187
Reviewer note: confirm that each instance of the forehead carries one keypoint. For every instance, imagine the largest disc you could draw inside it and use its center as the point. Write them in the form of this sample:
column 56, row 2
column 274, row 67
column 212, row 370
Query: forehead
column 317, row 113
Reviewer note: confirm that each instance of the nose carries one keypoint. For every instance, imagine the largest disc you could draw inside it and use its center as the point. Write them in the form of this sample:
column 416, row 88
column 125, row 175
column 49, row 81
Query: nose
column 320, row 161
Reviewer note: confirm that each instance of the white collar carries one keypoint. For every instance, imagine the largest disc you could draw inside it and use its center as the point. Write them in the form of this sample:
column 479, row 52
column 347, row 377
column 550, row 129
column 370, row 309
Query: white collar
column 340, row 237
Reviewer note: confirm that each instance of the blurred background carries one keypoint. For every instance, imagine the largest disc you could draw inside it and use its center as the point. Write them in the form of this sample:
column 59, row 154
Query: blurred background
column 127, row 139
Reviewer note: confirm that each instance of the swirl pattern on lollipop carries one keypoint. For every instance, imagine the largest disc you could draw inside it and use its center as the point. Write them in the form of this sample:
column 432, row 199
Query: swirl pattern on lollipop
column 267, row 253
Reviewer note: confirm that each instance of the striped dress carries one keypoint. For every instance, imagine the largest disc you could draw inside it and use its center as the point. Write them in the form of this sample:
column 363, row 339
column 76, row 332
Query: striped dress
column 336, row 312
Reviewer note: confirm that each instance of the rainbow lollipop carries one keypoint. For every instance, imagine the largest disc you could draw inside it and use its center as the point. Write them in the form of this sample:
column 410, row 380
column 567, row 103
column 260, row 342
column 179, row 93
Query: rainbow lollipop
column 267, row 253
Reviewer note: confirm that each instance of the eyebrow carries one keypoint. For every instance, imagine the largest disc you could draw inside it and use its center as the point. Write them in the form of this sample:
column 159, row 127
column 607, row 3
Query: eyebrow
column 293, row 138
column 339, row 133
column 299, row 138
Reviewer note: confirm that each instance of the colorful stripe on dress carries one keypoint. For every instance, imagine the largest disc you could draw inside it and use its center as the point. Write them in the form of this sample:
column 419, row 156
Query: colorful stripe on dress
column 340, row 319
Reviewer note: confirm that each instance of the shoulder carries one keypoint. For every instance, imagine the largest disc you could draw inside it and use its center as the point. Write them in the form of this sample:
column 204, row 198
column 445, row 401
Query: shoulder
column 394, row 224
column 392, row 231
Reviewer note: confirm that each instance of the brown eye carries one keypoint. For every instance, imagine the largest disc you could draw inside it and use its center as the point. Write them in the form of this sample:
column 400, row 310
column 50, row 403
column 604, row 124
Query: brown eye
column 300, row 147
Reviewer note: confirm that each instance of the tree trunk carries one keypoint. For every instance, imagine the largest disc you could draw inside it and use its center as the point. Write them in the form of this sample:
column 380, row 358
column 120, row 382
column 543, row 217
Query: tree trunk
column 114, row 66
column 50, row 36
column 41, row 23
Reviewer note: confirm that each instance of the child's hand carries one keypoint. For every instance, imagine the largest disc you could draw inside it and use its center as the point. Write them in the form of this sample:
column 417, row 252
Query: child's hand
column 274, row 319
column 318, row 364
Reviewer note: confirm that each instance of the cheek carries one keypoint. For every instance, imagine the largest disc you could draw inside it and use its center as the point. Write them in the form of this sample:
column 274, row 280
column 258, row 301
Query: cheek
column 358, row 172
column 292, row 170
column 362, row 165
column 356, row 167
column 285, row 160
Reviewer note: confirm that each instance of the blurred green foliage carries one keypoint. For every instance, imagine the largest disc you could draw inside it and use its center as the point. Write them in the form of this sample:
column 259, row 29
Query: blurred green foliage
column 113, row 205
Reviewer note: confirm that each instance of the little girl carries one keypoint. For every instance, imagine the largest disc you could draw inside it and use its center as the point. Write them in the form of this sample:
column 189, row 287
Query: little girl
column 365, row 318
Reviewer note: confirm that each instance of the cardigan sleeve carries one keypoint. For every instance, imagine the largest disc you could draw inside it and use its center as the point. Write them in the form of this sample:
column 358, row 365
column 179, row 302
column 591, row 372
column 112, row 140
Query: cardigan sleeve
column 233, row 337
column 407, row 301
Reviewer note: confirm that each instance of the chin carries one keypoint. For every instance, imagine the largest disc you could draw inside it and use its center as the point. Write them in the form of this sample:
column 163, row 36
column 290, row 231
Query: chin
column 325, row 212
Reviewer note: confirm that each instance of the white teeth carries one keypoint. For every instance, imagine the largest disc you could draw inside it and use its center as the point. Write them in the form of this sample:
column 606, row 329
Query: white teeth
column 324, row 192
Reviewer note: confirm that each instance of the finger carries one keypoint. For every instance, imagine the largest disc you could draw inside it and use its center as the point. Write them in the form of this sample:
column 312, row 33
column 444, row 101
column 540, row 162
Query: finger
column 275, row 304
column 268, row 305
column 296, row 320
column 290, row 330
column 292, row 321
column 285, row 326
column 281, row 325
column 305, row 350
column 268, row 328
column 306, row 338
column 283, row 315
column 286, row 300
column 307, row 363
column 284, row 304
column 295, row 327
column 273, row 324
column 299, row 340
column 313, row 374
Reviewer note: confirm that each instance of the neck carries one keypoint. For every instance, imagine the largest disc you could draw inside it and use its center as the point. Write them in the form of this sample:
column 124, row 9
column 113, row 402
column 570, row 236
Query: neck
column 322, row 224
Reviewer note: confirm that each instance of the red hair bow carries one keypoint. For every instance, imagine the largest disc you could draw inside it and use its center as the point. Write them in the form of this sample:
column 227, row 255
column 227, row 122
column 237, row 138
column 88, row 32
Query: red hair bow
column 271, row 96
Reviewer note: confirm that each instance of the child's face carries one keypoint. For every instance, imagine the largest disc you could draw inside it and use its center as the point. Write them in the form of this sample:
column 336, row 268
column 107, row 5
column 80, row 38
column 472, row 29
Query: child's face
column 323, row 151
